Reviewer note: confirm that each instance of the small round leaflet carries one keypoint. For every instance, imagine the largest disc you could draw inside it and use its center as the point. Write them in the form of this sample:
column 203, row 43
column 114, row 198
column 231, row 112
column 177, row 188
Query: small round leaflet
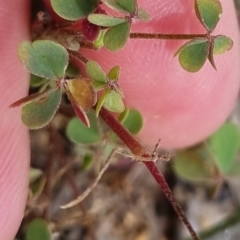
column 116, row 37
column 80, row 133
column 193, row 54
column 222, row 44
column 44, row 58
column 40, row 112
column 72, row 9
column 208, row 12
column 38, row 229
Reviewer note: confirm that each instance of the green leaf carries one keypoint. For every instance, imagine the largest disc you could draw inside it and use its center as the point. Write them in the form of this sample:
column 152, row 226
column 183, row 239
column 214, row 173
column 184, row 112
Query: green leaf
column 127, row 5
column 37, row 186
column 101, row 101
column 95, row 72
column 38, row 229
column 98, row 43
column 36, row 81
column 72, row 71
column 123, row 115
column 87, row 161
column 39, row 113
column 44, row 58
column 143, row 15
column 114, row 73
column 225, row 144
column 74, row 9
column 234, row 170
column 79, row 133
column 208, row 12
column 113, row 5
column 133, row 121
column 193, row 55
column 104, row 20
column 116, row 37
column 34, row 174
column 114, row 102
column 222, row 44
column 194, row 164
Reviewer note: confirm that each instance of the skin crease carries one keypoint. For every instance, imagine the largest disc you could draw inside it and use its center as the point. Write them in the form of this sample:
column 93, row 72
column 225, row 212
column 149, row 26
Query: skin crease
column 179, row 107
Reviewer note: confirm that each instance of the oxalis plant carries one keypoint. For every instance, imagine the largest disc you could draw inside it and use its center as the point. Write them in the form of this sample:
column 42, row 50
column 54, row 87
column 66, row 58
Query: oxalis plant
column 55, row 46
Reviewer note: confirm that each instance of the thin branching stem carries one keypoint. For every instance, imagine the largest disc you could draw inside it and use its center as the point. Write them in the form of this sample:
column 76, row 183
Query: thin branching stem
column 167, row 36
column 93, row 185
column 139, row 150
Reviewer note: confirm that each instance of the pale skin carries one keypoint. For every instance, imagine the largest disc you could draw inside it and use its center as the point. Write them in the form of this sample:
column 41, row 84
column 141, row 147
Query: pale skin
column 178, row 107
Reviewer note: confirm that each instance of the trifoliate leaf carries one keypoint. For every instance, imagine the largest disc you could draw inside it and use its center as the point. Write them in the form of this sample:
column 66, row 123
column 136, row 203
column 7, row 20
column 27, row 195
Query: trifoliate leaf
column 104, row 20
column 114, row 73
column 39, row 113
column 38, row 229
column 114, row 102
column 222, row 44
column 72, row 9
column 95, row 72
column 127, row 5
column 44, row 58
column 79, row 133
column 208, row 12
column 116, row 37
column 225, row 144
column 193, row 54
column 82, row 92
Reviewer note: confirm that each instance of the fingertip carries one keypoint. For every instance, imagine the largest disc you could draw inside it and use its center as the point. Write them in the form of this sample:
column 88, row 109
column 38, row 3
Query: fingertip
column 179, row 107
column 14, row 147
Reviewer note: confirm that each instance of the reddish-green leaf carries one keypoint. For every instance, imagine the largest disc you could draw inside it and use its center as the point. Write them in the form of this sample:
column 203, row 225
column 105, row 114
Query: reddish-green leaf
column 82, row 92
column 39, row 113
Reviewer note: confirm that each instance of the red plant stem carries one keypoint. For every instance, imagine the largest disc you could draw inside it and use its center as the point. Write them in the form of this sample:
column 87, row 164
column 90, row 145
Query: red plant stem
column 167, row 36
column 139, row 150
column 169, row 195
